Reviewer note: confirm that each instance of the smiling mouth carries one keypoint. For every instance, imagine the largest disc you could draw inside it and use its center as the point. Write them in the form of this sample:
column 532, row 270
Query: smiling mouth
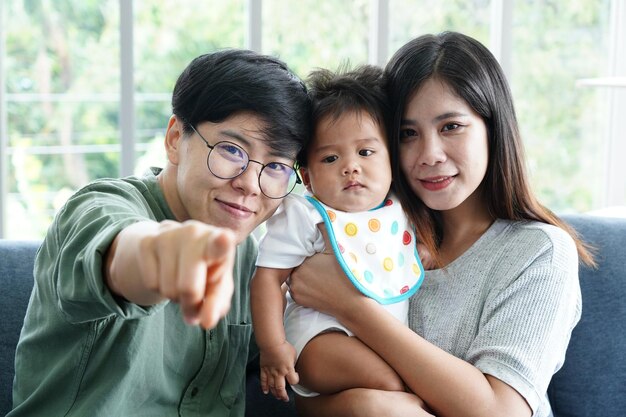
column 437, row 183
column 438, row 179
column 236, row 209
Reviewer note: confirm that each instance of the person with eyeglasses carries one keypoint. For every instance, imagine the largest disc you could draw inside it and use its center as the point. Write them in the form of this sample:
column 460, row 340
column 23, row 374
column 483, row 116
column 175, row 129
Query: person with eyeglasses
column 349, row 212
column 141, row 304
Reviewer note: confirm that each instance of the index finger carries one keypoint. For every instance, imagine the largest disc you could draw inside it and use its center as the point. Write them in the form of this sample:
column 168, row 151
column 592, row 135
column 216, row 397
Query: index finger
column 219, row 285
column 217, row 299
column 200, row 267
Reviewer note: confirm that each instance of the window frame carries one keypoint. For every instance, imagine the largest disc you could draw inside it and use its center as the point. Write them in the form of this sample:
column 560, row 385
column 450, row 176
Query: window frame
column 378, row 53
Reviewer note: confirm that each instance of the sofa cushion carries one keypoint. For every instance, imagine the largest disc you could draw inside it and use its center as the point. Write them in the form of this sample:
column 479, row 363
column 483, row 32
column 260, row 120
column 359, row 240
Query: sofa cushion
column 16, row 280
column 592, row 381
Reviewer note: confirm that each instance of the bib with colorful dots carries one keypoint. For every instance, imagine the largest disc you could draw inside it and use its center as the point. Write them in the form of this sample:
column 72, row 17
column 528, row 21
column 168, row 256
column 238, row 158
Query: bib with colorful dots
column 376, row 249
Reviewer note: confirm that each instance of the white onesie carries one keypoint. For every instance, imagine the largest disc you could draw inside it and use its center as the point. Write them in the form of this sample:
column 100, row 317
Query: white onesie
column 376, row 249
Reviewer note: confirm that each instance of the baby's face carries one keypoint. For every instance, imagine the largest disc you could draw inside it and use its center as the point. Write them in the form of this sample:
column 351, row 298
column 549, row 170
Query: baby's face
column 348, row 163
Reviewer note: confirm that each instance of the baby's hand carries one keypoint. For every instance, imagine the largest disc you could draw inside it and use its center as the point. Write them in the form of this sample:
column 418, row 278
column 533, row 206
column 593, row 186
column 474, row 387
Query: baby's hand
column 277, row 363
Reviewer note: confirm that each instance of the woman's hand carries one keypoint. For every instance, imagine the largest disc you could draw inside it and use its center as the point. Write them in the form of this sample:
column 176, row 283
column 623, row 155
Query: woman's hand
column 318, row 283
column 321, row 284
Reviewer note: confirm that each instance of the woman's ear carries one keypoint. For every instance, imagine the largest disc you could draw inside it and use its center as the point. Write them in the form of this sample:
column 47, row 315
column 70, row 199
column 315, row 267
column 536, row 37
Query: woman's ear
column 306, row 180
column 173, row 135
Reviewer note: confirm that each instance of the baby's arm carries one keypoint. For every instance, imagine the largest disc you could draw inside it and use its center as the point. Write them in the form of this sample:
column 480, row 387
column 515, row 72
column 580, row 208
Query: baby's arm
column 277, row 355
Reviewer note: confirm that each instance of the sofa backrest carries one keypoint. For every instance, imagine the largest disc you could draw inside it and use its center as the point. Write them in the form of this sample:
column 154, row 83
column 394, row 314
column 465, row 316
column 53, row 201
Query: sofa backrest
column 592, row 381
column 16, row 282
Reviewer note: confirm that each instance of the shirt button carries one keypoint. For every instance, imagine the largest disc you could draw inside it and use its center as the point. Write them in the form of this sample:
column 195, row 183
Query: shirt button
column 194, row 392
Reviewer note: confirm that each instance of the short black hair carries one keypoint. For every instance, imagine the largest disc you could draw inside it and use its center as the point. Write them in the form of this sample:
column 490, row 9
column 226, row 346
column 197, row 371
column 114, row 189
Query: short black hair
column 218, row 85
column 336, row 93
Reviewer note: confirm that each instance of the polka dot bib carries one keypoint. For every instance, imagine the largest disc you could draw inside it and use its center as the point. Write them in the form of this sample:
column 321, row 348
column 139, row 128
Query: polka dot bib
column 376, row 249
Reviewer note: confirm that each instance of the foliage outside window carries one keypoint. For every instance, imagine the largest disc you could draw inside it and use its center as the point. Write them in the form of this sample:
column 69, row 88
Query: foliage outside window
column 62, row 81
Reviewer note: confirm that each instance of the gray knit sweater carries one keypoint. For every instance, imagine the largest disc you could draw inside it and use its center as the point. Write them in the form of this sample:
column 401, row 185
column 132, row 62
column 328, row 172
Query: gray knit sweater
column 507, row 306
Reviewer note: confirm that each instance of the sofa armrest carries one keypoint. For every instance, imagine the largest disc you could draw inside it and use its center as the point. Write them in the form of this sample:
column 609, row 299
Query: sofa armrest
column 17, row 258
column 592, row 381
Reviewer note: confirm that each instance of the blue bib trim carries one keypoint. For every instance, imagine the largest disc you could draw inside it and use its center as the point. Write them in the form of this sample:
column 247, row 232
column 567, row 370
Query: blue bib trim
column 380, row 298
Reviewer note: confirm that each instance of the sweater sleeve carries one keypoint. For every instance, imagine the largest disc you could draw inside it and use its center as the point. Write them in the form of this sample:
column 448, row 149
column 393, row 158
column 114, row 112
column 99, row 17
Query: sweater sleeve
column 527, row 321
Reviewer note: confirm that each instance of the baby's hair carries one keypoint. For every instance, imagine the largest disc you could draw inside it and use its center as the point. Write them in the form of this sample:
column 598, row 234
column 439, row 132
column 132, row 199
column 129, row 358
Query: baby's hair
column 335, row 93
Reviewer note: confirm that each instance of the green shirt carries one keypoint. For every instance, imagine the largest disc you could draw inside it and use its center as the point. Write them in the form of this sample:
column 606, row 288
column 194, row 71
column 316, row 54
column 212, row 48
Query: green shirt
column 84, row 352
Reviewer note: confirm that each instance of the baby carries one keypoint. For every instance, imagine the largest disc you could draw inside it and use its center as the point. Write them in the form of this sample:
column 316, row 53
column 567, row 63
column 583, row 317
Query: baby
column 347, row 173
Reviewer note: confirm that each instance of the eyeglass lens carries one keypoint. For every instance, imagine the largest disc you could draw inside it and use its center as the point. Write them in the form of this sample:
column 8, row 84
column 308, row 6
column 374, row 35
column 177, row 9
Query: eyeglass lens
column 227, row 160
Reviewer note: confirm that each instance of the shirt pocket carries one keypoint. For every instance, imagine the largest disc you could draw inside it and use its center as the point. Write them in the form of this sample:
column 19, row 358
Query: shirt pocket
column 234, row 383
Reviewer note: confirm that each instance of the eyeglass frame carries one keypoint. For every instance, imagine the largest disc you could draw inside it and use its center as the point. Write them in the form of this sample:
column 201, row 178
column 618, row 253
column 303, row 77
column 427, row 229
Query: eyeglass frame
column 211, row 147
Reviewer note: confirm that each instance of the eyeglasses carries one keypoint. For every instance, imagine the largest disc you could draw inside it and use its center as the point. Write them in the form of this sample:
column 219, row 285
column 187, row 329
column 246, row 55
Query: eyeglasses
column 227, row 160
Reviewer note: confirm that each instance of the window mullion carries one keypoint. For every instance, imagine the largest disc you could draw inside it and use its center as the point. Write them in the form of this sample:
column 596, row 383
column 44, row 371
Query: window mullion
column 4, row 138
column 127, row 90
column 616, row 148
column 254, row 30
column 379, row 32
column 501, row 33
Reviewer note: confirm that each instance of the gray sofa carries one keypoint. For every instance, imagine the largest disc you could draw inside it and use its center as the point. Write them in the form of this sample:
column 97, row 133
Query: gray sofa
column 591, row 383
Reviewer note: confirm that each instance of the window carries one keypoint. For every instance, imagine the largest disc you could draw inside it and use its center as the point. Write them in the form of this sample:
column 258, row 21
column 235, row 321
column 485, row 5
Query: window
column 563, row 125
column 85, row 85
column 62, row 97
column 167, row 35
column 311, row 33
column 60, row 105
column 410, row 18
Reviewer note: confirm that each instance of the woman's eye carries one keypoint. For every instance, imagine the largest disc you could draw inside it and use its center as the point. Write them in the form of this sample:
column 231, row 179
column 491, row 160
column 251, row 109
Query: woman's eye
column 406, row 133
column 329, row 159
column 450, row 126
column 365, row 152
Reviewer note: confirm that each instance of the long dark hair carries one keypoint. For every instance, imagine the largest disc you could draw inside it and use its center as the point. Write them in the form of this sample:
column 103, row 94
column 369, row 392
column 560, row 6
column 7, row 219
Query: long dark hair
column 474, row 74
